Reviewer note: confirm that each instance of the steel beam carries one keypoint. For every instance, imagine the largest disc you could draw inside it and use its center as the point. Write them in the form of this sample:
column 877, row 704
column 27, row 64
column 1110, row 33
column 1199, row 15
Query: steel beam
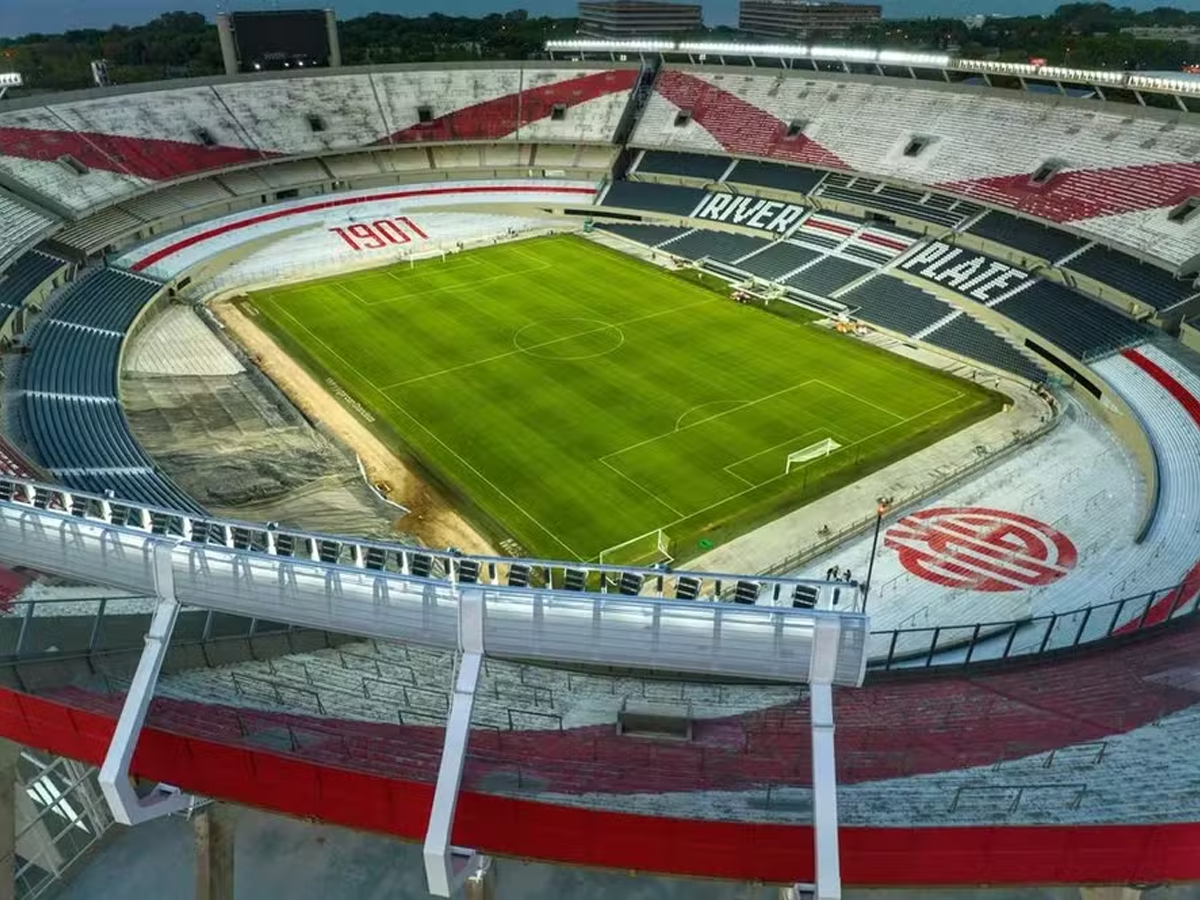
column 824, row 779
column 127, row 807
column 447, row 866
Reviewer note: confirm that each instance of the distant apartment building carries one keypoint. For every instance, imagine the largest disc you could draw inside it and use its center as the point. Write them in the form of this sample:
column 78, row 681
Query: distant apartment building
column 802, row 19
column 637, row 18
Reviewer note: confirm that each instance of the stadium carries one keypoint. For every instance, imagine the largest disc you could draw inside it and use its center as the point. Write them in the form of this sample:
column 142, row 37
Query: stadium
column 781, row 468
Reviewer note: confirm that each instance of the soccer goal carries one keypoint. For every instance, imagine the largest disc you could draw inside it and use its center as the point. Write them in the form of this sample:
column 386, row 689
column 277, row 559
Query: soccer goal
column 643, row 550
column 813, row 451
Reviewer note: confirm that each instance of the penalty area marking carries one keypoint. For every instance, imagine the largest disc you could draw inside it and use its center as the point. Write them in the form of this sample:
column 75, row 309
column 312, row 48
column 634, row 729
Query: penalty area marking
column 845, row 446
column 794, row 439
column 455, row 288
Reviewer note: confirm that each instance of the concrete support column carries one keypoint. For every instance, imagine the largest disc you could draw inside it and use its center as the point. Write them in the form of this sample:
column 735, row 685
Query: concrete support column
column 229, row 54
column 1109, row 892
column 9, row 754
column 214, row 829
column 335, row 43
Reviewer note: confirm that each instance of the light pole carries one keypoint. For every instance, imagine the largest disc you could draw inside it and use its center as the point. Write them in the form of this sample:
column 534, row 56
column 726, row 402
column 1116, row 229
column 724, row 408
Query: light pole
column 880, row 511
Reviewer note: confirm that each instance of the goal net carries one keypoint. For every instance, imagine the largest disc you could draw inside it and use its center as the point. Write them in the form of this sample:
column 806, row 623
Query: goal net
column 643, row 550
column 813, row 451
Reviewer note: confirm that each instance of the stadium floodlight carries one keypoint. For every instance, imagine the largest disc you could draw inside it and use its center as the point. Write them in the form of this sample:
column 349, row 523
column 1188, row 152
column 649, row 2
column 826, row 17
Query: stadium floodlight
column 601, row 46
column 850, row 54
column 1159, row 83
column 9, row 80
column 920, row 60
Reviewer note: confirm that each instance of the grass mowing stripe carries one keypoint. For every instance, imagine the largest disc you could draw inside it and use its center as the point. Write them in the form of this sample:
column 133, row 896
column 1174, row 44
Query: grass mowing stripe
column 443, row 444
column 529, row 436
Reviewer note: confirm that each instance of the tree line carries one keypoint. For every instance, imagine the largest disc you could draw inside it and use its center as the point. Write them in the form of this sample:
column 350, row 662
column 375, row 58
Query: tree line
column 180, row 44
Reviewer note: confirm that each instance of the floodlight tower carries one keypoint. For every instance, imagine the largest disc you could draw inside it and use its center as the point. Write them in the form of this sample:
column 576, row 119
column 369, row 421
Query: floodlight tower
column 9, row 80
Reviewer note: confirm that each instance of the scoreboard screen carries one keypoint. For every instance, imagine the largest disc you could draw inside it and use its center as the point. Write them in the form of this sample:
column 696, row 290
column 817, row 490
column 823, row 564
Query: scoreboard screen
column 283, row 39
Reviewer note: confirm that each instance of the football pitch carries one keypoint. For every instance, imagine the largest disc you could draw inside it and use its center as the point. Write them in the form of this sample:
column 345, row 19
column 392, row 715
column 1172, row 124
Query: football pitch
column 572, row 398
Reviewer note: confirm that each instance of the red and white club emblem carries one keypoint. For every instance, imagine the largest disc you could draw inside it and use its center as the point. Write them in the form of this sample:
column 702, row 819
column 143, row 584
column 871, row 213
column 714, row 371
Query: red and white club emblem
column 981, row 549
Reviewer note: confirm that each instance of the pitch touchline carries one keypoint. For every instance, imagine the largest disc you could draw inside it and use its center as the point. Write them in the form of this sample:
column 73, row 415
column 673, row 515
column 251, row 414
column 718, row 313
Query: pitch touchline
column 420, row 425
column 507, row 353
column 853, row 396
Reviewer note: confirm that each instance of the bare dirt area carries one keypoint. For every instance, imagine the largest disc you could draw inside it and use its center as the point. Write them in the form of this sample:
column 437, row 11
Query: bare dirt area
column 432, row 519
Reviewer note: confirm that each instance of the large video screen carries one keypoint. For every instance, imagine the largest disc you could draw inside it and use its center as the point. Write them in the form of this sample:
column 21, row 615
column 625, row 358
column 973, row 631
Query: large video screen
column 283, row 39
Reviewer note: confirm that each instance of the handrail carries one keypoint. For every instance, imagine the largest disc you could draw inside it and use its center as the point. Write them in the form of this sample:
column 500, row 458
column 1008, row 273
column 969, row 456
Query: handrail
column 942, row 646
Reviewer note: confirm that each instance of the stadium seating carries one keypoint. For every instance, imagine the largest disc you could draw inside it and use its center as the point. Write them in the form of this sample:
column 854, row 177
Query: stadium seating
column 650, row 235
column 68, row 407
column 92, row 152
column 778, row 260
column 968, row 337
column 99, row 230
column 661, row 198
column 20, row 226
column 827, row 276
column 1082, row 327
column 1145, row 282
column 692, row 165
column 795, row 179
column 974, row 143
column 20, row 279
column 1045, row 243
column 878, row 196
column 895, row 305
column 183, row 198
column 719, row 245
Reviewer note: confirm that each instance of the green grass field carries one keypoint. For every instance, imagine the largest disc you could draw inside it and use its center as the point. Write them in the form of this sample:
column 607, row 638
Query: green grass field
column 573, row 398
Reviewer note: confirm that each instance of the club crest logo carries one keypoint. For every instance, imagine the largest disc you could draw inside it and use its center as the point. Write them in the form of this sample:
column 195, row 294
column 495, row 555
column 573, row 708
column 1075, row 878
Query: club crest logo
column 975, row 548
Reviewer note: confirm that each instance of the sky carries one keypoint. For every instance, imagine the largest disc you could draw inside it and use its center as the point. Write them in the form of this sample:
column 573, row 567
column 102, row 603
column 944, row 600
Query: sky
column 19, row 17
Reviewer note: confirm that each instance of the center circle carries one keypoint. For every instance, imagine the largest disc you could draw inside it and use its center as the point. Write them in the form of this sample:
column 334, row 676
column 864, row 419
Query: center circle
column 568, row 338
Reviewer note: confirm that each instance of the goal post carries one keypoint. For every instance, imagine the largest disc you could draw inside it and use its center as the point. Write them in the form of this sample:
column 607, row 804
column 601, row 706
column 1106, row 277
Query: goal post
column 643, row 550
column 811, row 452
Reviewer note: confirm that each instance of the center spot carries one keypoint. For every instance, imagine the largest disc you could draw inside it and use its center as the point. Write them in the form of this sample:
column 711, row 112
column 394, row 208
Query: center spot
column 568, row 338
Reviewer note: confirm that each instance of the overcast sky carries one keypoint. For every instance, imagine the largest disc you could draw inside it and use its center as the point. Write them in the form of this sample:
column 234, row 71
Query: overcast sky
column 19, row 17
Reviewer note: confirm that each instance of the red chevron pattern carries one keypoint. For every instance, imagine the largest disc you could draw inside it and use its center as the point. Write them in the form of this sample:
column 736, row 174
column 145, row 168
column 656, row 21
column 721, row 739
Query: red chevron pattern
column 158, row 159
column 1089, row 193
column 150, row 158
column 741, row 127
column 499, row 118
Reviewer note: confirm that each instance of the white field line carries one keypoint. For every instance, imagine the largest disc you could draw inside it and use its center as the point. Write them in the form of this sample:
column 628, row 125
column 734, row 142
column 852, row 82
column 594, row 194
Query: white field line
column 429, row 432
column 455, row 288
column 725, row 412
column 637, row 484
column 507, row 353
column 790, row 440
column 465, row 262
column 854, row 396
column 861, row 440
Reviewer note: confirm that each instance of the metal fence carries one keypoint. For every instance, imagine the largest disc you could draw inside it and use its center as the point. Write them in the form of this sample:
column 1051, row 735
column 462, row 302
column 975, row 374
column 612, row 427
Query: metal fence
column 943, row 646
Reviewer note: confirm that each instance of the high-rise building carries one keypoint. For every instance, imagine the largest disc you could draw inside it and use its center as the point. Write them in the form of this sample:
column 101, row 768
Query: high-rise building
column 638, row 18
column 802, row 19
